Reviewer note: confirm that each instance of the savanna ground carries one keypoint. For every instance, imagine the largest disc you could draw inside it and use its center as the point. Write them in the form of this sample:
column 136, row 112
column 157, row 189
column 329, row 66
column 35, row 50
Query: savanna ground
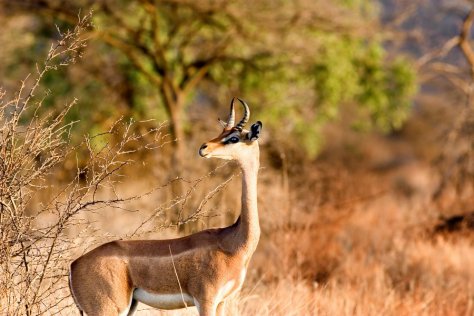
column 355, row 221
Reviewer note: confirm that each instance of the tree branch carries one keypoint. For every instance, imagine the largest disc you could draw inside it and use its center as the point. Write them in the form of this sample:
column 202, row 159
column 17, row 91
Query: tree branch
column 464, row 40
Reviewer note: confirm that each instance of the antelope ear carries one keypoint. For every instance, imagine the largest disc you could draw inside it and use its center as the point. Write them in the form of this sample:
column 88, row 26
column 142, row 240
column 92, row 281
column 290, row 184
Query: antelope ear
column 254, row 131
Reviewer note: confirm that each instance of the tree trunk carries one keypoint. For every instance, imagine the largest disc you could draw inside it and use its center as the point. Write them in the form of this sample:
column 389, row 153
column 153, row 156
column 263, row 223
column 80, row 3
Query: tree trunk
column 177, row 133
column 174, row 104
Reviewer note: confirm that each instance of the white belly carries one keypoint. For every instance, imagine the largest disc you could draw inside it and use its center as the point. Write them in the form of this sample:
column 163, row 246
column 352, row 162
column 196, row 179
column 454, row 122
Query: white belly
column 163, row 301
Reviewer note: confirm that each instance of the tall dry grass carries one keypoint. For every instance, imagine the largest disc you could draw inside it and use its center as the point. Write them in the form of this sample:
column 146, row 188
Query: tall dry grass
column 358, row 251
column 337, row 242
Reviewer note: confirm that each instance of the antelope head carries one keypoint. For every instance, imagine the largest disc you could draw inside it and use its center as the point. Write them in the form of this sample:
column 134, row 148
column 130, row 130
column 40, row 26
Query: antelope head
column 235, row 142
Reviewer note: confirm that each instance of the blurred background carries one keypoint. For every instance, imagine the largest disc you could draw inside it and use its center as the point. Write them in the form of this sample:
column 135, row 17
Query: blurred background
column 366, row 192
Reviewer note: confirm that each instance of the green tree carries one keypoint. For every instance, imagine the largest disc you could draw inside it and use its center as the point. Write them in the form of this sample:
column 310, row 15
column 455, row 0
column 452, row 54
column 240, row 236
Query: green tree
column 303, row 58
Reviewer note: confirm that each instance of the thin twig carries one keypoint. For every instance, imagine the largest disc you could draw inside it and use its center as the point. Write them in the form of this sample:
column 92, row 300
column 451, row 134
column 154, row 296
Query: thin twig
column 177, row 278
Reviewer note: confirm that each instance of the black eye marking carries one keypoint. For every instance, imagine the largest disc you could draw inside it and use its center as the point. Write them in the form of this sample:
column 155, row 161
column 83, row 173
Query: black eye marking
column 233, row 139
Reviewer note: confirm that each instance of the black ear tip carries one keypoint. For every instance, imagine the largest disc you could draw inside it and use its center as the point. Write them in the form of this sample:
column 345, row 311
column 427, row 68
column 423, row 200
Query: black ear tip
column 256, row 127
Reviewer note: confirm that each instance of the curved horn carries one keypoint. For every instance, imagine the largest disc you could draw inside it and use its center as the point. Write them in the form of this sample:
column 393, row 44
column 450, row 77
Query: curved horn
column 231, row 119
column 246, row 117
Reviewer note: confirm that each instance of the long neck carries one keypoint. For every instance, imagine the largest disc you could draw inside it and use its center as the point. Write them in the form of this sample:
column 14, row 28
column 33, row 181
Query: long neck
column 249, row 227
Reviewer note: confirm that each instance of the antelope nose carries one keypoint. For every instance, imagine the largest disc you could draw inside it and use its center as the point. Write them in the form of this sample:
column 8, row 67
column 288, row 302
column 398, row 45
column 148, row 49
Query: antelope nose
column 201, row 150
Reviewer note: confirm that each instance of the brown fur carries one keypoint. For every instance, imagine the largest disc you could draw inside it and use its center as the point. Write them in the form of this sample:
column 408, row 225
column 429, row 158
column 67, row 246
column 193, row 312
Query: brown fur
column 206, row 263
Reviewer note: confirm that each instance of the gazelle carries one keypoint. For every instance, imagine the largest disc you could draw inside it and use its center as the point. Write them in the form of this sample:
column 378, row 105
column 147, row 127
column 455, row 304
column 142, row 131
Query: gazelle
column 199, row 270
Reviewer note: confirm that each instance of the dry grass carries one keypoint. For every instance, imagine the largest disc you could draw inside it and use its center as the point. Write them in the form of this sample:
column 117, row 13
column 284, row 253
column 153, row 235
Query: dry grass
column 377, row 255
column 366, row 263
column 422, row 278
column 336, row 241
column 366, row 252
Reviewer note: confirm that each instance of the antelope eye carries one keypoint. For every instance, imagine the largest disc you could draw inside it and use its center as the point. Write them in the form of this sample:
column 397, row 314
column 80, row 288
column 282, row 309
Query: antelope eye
column 234, row 139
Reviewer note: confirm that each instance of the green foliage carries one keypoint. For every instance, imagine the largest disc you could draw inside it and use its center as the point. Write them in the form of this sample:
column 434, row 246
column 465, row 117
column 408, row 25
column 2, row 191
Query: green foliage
column 336, row 75
column 344, row 71
column 353, row 71
column 296, row 65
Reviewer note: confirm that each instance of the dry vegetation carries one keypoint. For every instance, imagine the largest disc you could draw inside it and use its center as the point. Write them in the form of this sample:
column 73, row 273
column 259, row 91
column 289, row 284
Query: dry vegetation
column 338, row 238
column 369, row 251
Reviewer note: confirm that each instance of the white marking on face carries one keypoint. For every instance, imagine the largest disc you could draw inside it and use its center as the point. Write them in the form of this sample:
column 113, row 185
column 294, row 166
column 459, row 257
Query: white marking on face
column 163, row 301
column 234, row 134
